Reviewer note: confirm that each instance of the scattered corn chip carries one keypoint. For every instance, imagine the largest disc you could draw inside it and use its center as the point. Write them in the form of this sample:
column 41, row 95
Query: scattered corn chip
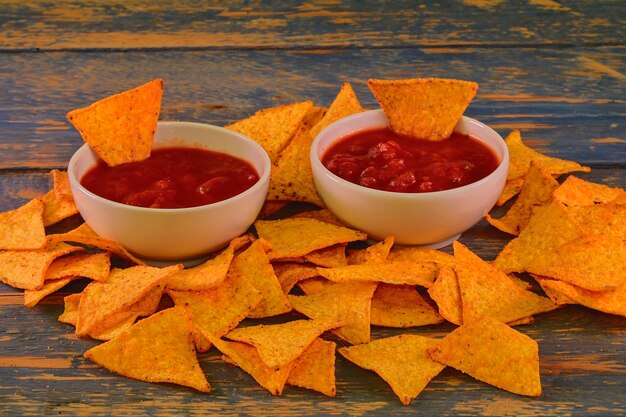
column 401, row 306
column 23, row 228
column 315, row 368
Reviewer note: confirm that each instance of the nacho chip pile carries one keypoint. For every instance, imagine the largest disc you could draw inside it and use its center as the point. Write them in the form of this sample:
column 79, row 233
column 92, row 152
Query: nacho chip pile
column 280, row 301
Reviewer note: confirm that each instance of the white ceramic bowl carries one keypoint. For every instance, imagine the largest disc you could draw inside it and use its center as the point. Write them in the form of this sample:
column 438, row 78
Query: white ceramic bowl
column 433, row 219
column 183, row 233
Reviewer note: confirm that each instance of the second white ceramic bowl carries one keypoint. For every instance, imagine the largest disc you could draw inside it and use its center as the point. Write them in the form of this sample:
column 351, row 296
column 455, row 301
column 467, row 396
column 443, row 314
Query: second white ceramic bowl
column 184, row 233
column 433, row 219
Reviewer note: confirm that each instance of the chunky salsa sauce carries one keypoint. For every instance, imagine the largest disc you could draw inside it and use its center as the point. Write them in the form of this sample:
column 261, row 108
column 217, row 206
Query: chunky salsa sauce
column 173, row 177
column 384, row 160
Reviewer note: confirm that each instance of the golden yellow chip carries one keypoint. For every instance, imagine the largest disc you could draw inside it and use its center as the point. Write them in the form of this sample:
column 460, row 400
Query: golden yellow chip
column 323, row 215
column 331, row 256
column 376, row 253
column 296, row 236
column 417, row 254
column 23, row 227
column 345, row 104
column 156, row 349
column 548, row 228
column 220, row 309
column 610, row 301
column 26, row 269
column 401, row 306
column 595, row 263
column 61, row 184
column 424, row 108
column 521, row 156
column 118, row 323
column 254, row 266
column 120, row 128
column 492, row 352
column 32, row 297
column 392, row 272
column 85, row 235
column 273, row 128
column 210, row 273
column 605, row 219
column 536, row 192
column 401, row 361
column 446, row 293
column 103, row 300
column 315, row 368
column 247, row 358
column 58, row 202
column 280, row 344
column 577, row 192
column 487, row 291
column 94, row 266
column 353, row 310
column 291, row 178
column 289, row 274
column 510, row 190
column 70, row 312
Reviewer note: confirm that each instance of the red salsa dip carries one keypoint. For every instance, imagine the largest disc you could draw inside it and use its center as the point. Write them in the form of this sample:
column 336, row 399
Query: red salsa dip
column 384, row 160
column 174, row 177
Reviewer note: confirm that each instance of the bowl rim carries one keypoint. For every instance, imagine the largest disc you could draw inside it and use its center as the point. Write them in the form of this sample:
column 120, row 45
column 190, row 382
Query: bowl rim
column 316, row 160
column 263, row 178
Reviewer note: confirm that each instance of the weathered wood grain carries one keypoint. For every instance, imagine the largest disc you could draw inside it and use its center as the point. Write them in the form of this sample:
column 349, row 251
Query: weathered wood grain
column 569, row 102
column 125, row 25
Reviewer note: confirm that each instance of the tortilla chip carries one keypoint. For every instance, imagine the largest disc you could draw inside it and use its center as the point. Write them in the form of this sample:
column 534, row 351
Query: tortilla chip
column 70, row 312
column 605, row 219
column 220, row 309
column 323, row 215
column 610, row 301
column 400, row 360
column 595, row 263
column 315, row 368
column 289, row 274
column 210, row 273
column 353, row 310
column 550, row 227
column 23, row 227
column 157, row 349
column 26, row 269
column 85, row 235
column 247, row 358
column 536, row 192
column 510, row 190
column 492, row 352
column 58, row 202
column 291, row 178
column 120, row 128
column 446, row 293
column 95, row 266
column 487, row 291
column 417, row 254
column 423, row 108
column 376, row 253
column 103, row 300
column 293, row 237
column 401, row 306
column 33, row 297
column 577, row 192
column 274, row 127
column 280, row 344
column 394, row 272
column 329, row 257
column 521, row 156
column 270, row 208
column 119, row 322
column 345, row 104
column 254, row 266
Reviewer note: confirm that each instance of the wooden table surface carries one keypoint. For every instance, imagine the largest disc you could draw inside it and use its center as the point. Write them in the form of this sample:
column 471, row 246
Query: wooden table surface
column 554, row 69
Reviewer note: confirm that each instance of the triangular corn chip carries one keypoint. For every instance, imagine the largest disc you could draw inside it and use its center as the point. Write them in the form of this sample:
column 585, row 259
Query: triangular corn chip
column 393, row 272
column 157, row 349
column 23, row 227
column 120, row 128
column 418, row 254
column 424, row 108
column 95, row 266
column 607, row 219
column 446, row 293
column 400, row 360
column 401, row 306
column 610, row 301
column 70, row 312
column 492, row 352
column 58, row 202
column 32, row 297
column 487, row 291
column 273, row 128
column 578, row 192
column 510, row 190
column 280, row 344
column 345, row 104
column 315, row 368
column 331, row 256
